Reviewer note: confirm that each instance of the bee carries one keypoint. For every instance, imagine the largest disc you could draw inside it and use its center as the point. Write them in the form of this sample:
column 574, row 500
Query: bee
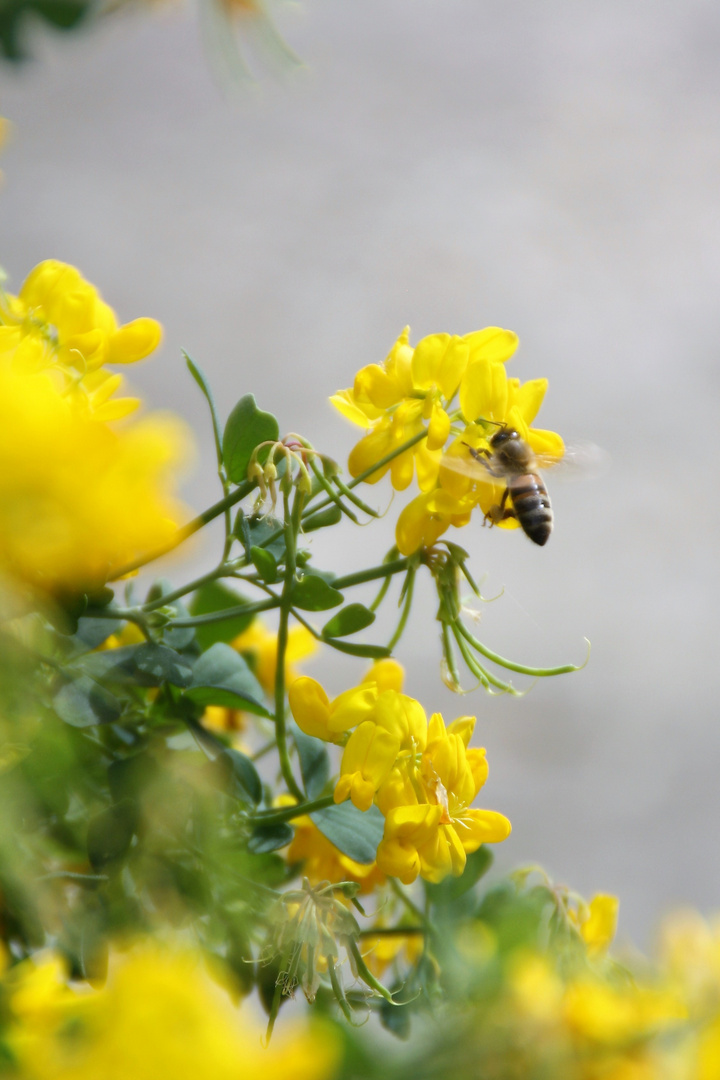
column 511, row 459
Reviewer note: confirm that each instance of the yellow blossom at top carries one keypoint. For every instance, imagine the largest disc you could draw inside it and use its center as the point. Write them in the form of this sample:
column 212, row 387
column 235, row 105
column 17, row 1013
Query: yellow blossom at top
column 60, row 324
column 490, row 401
column 158, row 1015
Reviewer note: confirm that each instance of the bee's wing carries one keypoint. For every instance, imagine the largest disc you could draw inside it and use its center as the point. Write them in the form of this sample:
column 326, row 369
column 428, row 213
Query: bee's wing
column 473, row 467
column 581, row 461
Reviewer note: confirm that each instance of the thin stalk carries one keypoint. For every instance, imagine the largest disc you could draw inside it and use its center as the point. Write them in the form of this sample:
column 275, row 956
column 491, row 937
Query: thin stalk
column 405, row 899
column 291, row 525
column 289, row 813
column 183, row 590
column 449, row 654
column 382, row 593
column 509, row 664
column 383, row 570
column 407, row 605
column 325, row 484
column 186, row 531
column 228, row 613
column 350, row 494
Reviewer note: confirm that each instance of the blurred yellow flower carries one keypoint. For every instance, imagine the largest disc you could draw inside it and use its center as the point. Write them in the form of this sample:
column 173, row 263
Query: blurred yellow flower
column 59, row 323
column 78, row 500
column 158, row 1015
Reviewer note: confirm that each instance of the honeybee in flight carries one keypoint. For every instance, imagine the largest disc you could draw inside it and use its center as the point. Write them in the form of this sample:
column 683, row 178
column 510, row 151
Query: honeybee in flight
column 511, row 459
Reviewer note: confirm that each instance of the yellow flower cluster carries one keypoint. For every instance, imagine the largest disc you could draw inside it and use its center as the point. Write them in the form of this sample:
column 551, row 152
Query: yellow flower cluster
column 412, row 396
column 421, row 774
column 158, row 1015
column 78, row 498
column 59, row 324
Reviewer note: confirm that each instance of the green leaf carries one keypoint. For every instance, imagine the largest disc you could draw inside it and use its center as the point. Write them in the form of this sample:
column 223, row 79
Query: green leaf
column 452, row 888
column 244, row 775
column 163, row 664
column 177, row 637
column 84, row 703
column 89, row 634
column 222, row 677
column 314, row 762
column 110, row 834
column 246, row 427
column 269, row 838
column 312, row 593
column 353, row 832
column 323, row 518
column 370, row 652
column 348, row 620
column 216, row 597
column 265, row 564
column 256, row 532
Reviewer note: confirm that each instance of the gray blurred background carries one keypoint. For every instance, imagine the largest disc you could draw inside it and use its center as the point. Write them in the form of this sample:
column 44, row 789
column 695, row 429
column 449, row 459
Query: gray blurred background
column 550, row 167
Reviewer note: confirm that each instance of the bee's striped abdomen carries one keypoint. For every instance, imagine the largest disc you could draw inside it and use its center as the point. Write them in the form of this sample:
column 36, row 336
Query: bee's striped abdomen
column 531, row 504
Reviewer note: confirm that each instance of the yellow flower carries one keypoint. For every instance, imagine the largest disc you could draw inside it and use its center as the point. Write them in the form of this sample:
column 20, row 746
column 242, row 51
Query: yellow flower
column 396, row 723
column 424, row 520
column 317, row 715
column 430, row 827
column 158, row 1015
column 59, row 323
column 259, row 646
column 598, row 923
column 489, row 400
column 78, row 500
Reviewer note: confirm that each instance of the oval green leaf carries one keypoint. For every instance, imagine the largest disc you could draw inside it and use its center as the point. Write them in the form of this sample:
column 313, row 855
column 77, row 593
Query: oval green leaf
column 348, row 620
column 353, row 832
column 246, row 427
column 222, row 677
column 269, row 838
column 312, row 593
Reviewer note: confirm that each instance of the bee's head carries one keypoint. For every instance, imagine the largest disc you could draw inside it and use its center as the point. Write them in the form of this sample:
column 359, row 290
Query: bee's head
column 503, row 436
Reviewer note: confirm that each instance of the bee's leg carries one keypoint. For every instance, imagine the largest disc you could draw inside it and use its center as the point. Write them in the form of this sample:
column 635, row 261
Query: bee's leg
column 500, row 512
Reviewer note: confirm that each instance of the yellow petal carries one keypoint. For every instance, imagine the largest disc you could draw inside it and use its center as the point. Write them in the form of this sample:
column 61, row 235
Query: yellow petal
column 386, row 674
column 492, row 343
column 357, row 413
column 310, row 706
column 134, row 341
column 438, row 429
column 484, row 391
column 427, row 360
column 529, row 397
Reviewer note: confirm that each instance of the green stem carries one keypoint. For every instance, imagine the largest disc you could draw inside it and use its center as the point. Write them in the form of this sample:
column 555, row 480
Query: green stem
column 183, row 590
column 509, row 664
column 449, row 654
column 335, row 498
column 407, row 605
column 289, row 813
column 227, row 613
column 383, row 570
column 186, row 531
column 292, row 519
column 405, row 899
column 350, row 494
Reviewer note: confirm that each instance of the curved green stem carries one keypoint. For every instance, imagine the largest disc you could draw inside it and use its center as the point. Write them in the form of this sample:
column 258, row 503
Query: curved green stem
column 510, row 665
